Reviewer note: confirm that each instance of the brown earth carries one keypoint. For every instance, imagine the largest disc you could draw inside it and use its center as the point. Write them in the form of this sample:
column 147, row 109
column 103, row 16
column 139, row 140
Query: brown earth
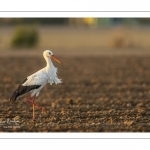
column 99, row 93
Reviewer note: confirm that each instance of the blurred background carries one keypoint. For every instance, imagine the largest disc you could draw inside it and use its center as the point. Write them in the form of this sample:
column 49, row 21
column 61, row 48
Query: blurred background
column 70, row 34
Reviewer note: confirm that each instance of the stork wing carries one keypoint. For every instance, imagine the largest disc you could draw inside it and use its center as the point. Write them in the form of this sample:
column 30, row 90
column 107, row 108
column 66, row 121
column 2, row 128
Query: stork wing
column 38, row 78
column 30, row 83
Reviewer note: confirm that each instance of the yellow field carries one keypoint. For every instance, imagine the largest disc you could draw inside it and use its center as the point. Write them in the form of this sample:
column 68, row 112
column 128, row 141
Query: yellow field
column 71, row 38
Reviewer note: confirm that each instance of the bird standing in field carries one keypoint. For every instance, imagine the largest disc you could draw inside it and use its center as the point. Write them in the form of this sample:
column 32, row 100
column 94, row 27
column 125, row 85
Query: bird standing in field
column 35, row 82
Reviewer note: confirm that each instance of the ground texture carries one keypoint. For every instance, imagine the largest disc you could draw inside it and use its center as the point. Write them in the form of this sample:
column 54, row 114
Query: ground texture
column 101, row 93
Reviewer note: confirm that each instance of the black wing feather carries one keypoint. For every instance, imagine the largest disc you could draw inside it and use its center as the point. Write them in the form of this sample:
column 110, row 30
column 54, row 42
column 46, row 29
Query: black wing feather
column 23, row 90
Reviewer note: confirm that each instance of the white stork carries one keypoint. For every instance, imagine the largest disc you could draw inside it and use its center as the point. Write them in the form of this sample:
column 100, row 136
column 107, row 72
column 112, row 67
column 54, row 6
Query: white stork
column 35, row 82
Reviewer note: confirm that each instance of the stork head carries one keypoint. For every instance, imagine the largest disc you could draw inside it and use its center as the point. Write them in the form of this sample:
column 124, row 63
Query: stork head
column 48, row 53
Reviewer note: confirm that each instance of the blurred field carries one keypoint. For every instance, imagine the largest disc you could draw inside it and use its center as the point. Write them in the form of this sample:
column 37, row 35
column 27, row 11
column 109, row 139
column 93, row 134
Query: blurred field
column 71, row 38
column 105, row 88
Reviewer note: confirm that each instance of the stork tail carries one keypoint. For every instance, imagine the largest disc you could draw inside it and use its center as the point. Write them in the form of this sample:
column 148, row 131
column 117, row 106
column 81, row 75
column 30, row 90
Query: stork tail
column 13, row 97
column 15, row 94
column 23, row 90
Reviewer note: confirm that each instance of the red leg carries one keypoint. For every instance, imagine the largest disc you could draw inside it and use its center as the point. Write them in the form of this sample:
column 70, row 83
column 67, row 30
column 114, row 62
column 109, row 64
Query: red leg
column 33, row 107
column 28, row 99
column 43, row 109
column 34, row 104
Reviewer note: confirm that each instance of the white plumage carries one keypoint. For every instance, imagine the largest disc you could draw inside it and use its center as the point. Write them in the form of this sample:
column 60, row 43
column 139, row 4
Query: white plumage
column 35, row 82
column 43, row 76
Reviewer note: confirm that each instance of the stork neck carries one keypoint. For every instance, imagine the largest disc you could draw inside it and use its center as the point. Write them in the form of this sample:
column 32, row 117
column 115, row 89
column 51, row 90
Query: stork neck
column 49, row 62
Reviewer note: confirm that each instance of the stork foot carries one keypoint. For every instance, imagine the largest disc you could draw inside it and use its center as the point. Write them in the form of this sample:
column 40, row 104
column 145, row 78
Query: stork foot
column 44, row 110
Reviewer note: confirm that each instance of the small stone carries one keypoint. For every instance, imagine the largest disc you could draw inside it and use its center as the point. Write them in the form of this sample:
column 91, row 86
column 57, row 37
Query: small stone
column 129, row 105
column 53, row 105
column 69, row 101
column 16, row 118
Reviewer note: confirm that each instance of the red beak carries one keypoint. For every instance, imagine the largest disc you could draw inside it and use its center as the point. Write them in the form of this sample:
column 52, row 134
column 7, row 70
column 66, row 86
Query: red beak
column 56, row 59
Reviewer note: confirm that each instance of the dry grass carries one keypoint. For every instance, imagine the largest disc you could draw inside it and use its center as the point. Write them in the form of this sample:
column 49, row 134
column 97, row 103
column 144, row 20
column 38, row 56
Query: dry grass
column 84, row 38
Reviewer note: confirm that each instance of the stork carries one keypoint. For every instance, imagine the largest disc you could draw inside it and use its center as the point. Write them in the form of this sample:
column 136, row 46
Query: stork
column 35, row 82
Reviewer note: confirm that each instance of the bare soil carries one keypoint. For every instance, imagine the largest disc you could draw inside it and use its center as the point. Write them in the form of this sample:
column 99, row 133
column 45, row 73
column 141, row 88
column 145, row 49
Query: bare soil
column 99, row 93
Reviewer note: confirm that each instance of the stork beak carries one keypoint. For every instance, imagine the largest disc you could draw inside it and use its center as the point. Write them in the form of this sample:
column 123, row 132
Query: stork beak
column 56, row 59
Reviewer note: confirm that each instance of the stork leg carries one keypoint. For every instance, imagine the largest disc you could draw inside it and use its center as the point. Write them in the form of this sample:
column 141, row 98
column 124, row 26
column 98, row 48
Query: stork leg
column 43, row 109
column 33, row 107
column 28, row 99
column 34, row 104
